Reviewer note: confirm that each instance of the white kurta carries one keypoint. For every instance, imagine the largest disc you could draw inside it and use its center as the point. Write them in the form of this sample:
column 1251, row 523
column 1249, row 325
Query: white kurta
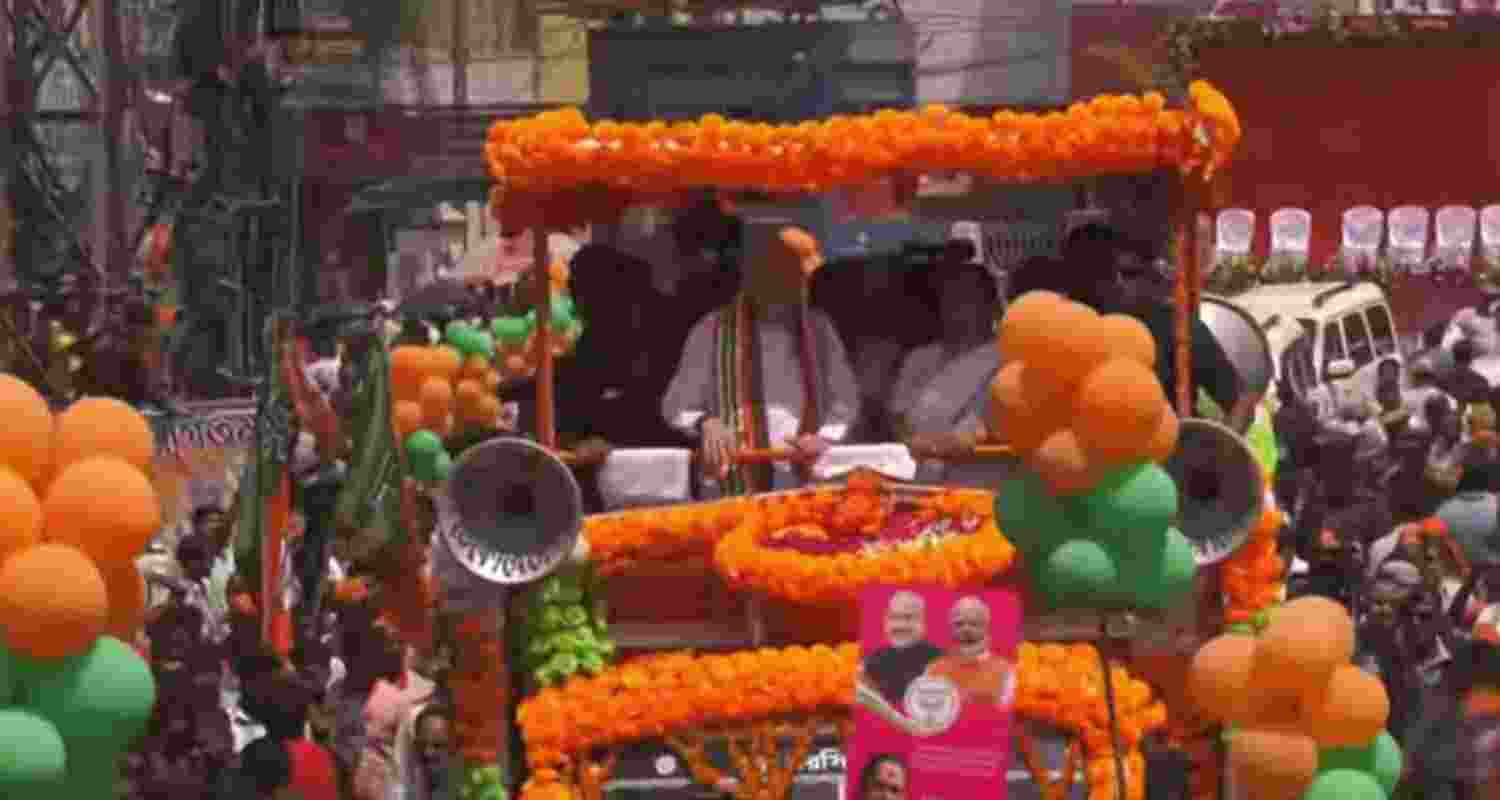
column 937, row 395
column 693, row 393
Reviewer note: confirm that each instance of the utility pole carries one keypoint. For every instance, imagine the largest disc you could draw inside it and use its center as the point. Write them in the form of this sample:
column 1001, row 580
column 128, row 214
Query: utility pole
column 113, row 254
column 8, row 157
column 460, row 53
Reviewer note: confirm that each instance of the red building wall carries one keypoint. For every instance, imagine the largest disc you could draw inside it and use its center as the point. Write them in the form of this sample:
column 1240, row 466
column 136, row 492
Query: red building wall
column 1327, row 128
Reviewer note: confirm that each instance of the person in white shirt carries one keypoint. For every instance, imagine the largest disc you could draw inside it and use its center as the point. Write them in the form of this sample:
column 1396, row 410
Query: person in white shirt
column 766, row 371
column 939, row 399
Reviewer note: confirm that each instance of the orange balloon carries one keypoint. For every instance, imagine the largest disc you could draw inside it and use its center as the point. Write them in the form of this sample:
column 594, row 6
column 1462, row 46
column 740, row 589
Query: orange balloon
column 1067, row 340
column 104, row 507
column 444, row 362
column 437, row 401
column 1273, row 765
column 102, row 426
column 466, row 399
column 1080, row 348
column 408, row 370
column 126, row 589
column 53, row 602
column 490, row 409
column 492, row 379
column 1219, row 675
column 20, row 514
column 1306, row 641
column 1027, row 322
column 406, row 418
column 1119, row 407
column 1026, row 408
column 475, row 367
column 1350, row 710
column 1064, row 465
column 1129, row 338
column 26, row 436
column 1164, row 442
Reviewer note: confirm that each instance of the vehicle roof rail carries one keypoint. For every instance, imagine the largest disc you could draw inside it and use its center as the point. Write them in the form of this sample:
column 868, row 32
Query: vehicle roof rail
column 1271, row 322
column 1322, row 297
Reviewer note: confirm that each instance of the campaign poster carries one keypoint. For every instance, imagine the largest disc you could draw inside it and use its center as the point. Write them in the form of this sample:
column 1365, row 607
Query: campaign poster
column 653, row 771
column 935, row 694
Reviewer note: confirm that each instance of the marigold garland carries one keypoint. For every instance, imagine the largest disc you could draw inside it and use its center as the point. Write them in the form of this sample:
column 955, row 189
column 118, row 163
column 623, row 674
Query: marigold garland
column 1252, row 577
column 655, row 696
column 959, row 559
column 479, row 688
column 538, row 158
column 618, row 541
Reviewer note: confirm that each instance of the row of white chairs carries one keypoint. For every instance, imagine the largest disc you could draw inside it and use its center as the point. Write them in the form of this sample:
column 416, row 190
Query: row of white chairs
column 1409, row 234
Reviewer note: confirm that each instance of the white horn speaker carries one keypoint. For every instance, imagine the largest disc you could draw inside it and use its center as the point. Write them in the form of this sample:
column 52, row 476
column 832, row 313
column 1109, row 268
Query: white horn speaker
column 1221, row 488
column 511, row 511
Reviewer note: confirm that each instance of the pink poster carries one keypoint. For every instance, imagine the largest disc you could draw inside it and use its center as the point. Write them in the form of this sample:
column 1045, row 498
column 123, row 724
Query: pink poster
column 935, row 693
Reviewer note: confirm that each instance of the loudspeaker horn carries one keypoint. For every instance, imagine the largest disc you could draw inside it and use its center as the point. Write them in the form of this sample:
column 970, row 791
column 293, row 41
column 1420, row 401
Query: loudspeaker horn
column 1220, row 487
column 511, row 511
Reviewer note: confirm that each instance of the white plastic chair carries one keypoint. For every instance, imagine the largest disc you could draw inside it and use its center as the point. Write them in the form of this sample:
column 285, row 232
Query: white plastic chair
column 1291, row 235
column 1364, row 228
column 1455, row 236
column 1489, row 233
column 1235, row 233
column 1406, row 228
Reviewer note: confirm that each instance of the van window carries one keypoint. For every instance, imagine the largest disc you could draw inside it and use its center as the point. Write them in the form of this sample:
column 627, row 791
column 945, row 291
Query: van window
column 1333, row 343
column 1381, row 330
column 1297, row 366
column 1357, row 337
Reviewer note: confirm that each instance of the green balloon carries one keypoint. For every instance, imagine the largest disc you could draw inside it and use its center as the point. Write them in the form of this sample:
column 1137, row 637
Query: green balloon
column 423, row 446
column 1078, row 572
column 510, row 330
column 1381, row 758
column 10, row 676
column 1131, row 504
column 562, row 313
column 442, row 467
column 1344, row 784
column 484, row 344
column 1165, row 580
column 1029, row 515
column 32, row 753
column 101, row 697
column 456, row 331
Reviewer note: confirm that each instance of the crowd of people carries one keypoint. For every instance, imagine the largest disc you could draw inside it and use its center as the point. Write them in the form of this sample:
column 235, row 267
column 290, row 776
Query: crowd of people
column 348, row 714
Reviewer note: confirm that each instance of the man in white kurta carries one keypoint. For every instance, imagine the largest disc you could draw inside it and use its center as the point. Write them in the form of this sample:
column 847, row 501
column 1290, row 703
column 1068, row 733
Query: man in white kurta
column 775, row 336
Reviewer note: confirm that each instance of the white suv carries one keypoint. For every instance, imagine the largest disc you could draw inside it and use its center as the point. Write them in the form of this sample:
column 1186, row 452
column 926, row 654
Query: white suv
column 1348, row 331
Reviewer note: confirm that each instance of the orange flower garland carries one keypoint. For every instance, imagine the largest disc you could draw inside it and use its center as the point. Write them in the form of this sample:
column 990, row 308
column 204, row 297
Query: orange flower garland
column 1252, row 576
column 479, row 687
column 745, row 560
column 654, row 696
column 619, row 540
column 536, row 158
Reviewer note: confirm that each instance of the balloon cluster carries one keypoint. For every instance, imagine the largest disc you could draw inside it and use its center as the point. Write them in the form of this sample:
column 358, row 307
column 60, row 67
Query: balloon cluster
column 1307, row 723
column 439, row 392
column 1092, row 512
column 76, row 508
column 515, row 336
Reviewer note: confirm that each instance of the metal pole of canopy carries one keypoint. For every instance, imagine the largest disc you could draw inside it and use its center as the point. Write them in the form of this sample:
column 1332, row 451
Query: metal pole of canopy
column 541, row 270
column 1186, row 293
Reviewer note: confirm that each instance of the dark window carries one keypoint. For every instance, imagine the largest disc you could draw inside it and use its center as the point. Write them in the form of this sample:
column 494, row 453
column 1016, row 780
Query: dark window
column 1358, row 338
column 1381, row 330
column 1333, row 344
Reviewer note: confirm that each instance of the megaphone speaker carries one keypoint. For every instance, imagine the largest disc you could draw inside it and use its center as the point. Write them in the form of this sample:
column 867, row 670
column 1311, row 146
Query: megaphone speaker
column 511, row 511
column 1221, row 488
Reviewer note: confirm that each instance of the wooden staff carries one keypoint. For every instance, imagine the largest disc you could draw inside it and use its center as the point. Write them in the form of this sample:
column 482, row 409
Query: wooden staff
column 541, row 271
